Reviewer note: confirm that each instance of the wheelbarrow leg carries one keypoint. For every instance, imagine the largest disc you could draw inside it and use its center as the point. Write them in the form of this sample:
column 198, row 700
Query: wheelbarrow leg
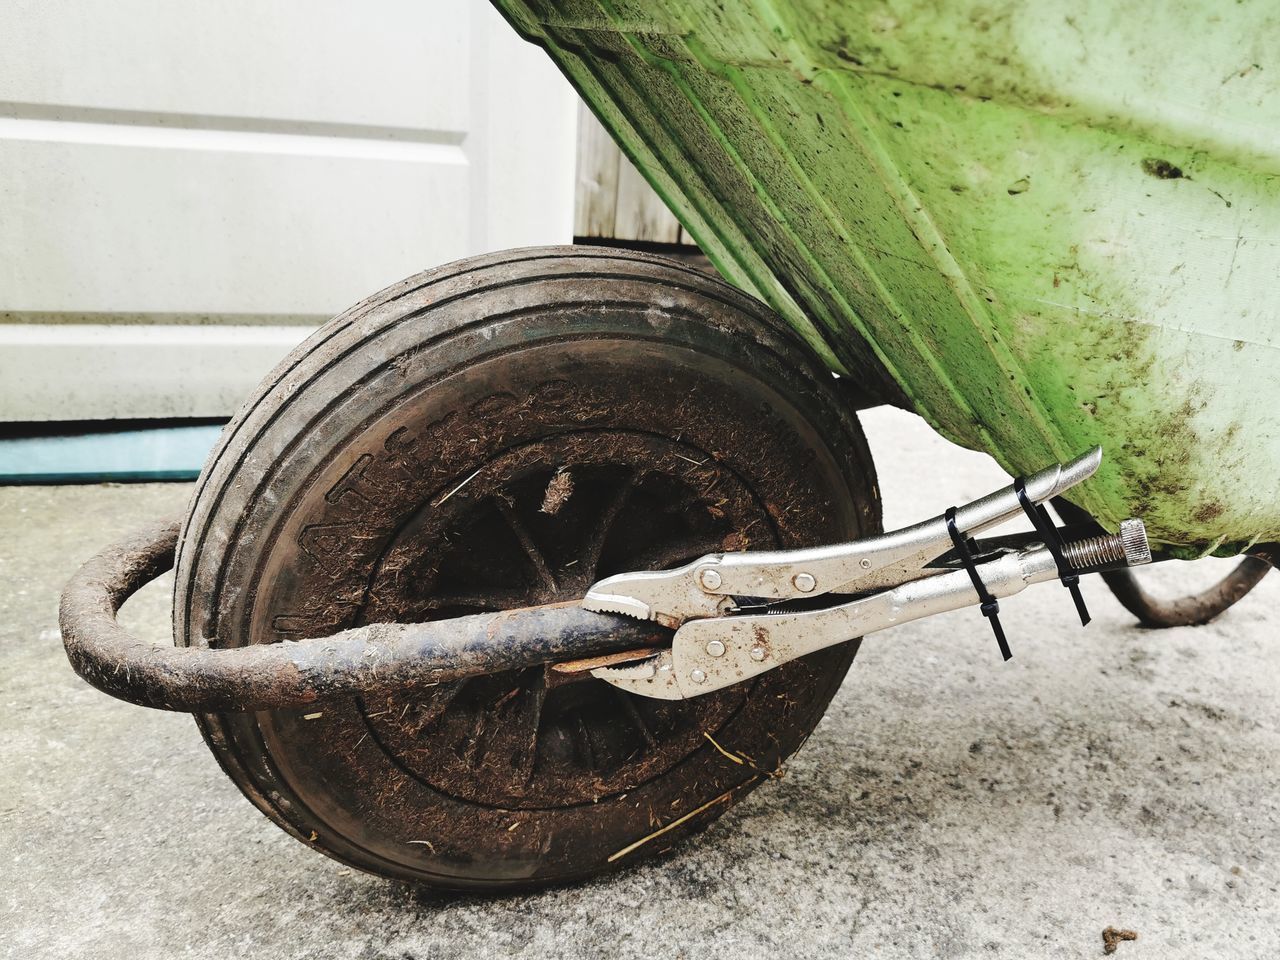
column 1191, row 610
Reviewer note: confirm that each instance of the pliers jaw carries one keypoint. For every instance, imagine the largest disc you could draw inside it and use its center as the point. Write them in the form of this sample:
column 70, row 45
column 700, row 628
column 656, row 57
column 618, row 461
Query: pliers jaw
column 668, row 597
column 654, row 677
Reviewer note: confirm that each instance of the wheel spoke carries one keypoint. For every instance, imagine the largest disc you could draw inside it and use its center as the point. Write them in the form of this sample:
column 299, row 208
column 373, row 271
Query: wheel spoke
column 584, row 741
column 505, row 736
column 632, row 712
column 545, row 576
column 485, row 601
column 438, row 701
column 515, row 741
column 473, row 753
column 589, row 559
column 665, row 555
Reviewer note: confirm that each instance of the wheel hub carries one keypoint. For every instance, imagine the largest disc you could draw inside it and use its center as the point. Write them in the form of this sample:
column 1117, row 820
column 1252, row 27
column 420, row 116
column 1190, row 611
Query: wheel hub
column 539, row 524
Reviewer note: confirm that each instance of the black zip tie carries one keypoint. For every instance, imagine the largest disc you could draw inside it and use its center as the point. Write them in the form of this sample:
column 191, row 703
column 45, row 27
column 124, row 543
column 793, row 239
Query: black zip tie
column 1053, row 540
column 990, row 605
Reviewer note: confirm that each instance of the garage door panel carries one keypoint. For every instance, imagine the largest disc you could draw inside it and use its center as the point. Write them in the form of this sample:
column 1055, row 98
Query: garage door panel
column 187, row 188
column 110, row 228
column 130, row 372
column 327, row 61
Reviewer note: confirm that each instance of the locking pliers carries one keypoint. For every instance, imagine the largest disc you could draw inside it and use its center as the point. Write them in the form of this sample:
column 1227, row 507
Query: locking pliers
column 737, row 615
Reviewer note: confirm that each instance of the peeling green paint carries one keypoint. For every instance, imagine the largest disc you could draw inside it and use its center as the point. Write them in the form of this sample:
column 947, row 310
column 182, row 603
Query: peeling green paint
column 1050, row 225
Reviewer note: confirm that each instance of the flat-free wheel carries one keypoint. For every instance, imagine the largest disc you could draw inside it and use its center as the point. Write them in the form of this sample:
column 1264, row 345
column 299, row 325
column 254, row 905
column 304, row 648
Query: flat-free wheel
column 502, row 432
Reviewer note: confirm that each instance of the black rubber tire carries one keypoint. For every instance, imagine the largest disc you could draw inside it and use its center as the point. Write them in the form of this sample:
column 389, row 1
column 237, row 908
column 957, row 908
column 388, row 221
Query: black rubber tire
column 371, row 425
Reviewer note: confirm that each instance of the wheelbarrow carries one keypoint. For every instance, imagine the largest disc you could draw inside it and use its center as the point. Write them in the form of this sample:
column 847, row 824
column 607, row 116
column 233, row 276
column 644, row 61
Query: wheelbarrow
column 528, row 567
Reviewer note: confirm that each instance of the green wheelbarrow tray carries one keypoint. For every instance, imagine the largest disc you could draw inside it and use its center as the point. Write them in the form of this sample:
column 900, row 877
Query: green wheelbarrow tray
column 1041, row 226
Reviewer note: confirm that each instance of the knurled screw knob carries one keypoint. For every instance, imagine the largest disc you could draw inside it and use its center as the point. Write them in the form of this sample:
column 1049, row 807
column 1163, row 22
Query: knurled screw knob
column 1133, row 536
column 1128, row 547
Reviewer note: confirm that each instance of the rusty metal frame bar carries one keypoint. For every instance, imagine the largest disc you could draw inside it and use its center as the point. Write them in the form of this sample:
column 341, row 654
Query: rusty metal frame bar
column 364, row 660
column 1189, row 611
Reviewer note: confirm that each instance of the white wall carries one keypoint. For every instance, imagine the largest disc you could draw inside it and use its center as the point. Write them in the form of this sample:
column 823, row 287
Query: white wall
column 187, row 188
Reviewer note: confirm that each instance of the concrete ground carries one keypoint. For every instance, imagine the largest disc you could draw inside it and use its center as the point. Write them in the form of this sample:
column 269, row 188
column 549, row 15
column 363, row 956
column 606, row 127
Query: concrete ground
column 949, row 805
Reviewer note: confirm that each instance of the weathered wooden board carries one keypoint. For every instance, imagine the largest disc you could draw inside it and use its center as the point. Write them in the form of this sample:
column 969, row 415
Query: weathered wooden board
column 613, row 200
